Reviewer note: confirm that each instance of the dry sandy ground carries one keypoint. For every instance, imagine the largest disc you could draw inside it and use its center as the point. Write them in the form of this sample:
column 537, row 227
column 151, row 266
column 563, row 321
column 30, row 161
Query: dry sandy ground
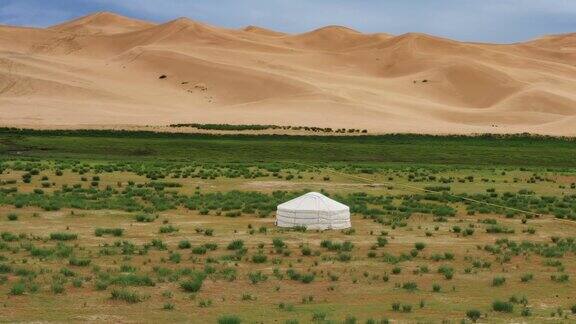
column 105, row 69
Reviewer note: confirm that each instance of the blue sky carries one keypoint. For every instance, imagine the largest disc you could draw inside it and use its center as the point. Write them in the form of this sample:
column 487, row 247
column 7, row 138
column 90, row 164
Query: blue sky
column 500, row 21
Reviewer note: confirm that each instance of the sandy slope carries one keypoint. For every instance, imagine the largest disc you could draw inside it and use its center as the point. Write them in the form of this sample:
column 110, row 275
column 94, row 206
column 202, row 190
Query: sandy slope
column 104, row 70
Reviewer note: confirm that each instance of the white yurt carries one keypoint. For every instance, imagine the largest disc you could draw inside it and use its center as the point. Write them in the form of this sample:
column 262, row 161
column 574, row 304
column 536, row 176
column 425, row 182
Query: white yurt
column 313, row 211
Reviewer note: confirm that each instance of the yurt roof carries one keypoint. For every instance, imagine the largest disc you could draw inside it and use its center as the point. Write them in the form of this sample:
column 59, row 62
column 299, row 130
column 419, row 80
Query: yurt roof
column 313, row 201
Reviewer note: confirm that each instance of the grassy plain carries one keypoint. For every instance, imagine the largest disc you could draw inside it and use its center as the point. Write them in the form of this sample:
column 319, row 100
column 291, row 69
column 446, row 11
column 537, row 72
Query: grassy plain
column 143, row 227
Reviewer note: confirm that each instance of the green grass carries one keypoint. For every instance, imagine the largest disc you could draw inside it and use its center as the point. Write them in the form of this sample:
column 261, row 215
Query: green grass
column 516, row 150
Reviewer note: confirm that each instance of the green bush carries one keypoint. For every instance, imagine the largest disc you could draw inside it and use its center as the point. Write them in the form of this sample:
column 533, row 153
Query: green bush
column 498, row 281
column 447, row 271
column 184, row 244
column 131, row 279
column 74, row 261
column 473, row 314
column 278, row 243
column 259, row 258
column 168, row 229
column 561, row 278
column 526, row 277
column 57, row 288
column 145, row 218
column 128, row 296
column 410, row 286
column 419, row 246
column 193, row 285
column 229, row 319
column 199, row 250
column 236, row 245
column 18, row 288
column 502, row 306
column 109, row 231
column 526, row 312
column 256, row 277
column 307, row 278
column 63, row 236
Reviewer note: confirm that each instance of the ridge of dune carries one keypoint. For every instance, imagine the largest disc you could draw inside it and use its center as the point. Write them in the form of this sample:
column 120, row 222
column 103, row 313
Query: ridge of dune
column 563, row 42
column 263, row 31
column 107, row 69
column 102, row 23
column 334, row 38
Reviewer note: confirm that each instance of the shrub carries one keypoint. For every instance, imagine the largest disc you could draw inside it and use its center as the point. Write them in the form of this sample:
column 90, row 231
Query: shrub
column 350, row 320
column 125, row 295
column 381, row 241
column 12, row 217
column 256, row 277
column 184, row 244
column 436, row 288
column 199, row 250
column 211, row 246
column 236, row 245
column 562, row 278
column 447, row 271
column 5, row 268
column 344, row 257
column 208, row 232
column 499, row 229
column 307, row 278
column 57, row 288
column 278, row 243
column 473, row 315
column 145, row 218
column 132, row 280
column 527, row 277
column 101, row 285
column 259, row 258
column 67, row 272
column 63, row 236
column 229, row 319
column 502, row 306
column 319, row 316
column 9, row 237
column 109, row 231
column 175, row 257
column 193, row 285
column 498, row 281
column 18, row 288
column 168, row 229
column 419, row 246
column 74, row 261
column 410, row 286
column 526, row 312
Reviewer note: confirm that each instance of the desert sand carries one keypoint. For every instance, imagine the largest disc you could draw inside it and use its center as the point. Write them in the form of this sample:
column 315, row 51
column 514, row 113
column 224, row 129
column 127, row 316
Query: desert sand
column 106, row 70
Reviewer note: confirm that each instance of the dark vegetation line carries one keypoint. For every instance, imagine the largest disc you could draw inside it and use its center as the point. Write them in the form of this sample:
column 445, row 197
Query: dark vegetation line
column 523, row 137
column 487, row 150
column 256, row 127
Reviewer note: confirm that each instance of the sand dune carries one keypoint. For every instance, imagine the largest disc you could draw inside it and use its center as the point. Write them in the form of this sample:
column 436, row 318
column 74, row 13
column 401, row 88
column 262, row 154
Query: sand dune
column 109, row 70
column 102, row 23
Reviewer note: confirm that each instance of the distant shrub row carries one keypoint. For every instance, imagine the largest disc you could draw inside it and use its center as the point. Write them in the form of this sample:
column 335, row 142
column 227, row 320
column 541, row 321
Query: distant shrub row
column 229, row 127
